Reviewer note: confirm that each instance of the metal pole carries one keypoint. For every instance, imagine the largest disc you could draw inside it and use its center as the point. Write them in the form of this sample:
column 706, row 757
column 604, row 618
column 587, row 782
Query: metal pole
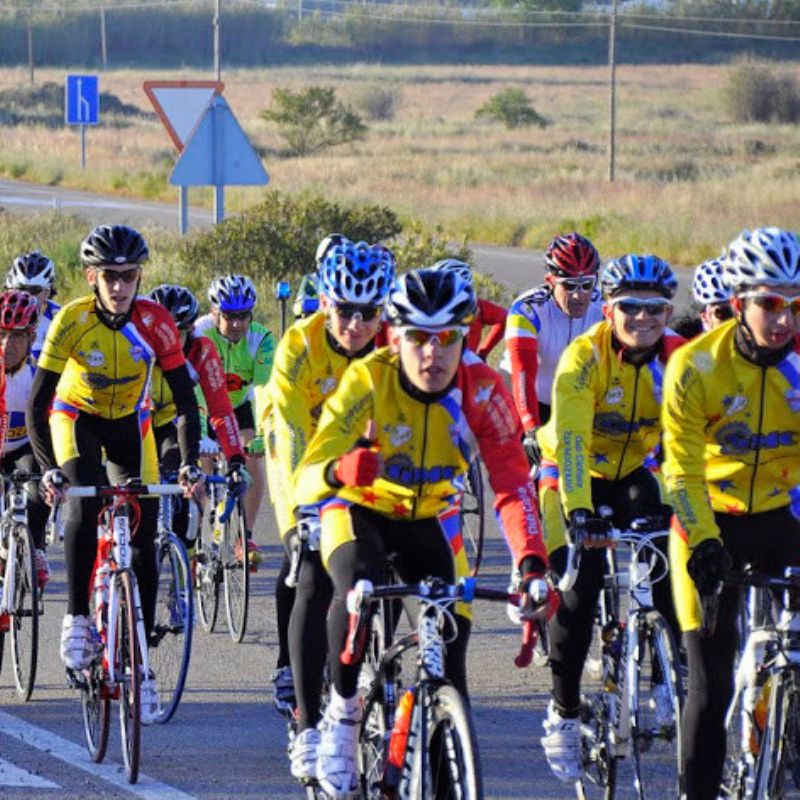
column 83, row 147
column 283, row 315
column 217, row 145
column 103, row 40
column 217, row 23
column 183, row 209
column 30, row 47
column 612, row 63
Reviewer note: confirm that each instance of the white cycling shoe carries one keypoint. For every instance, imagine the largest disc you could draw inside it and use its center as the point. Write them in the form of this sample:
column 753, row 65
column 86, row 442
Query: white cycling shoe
column 337, row 770
column 562, row 745
column 76, row 641
column 149, row 702
column 304, row 755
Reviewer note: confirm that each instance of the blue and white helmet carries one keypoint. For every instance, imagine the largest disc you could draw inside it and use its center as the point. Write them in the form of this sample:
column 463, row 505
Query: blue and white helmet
column 232, row 293
column 632, row 272
column 709, row 285
column 461, row 268
column 357, row 273
column 769, row 256
column 324, row 247
column 431, row 298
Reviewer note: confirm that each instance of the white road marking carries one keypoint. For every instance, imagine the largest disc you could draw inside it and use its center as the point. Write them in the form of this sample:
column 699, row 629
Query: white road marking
column 76, row 756
column 14, row 776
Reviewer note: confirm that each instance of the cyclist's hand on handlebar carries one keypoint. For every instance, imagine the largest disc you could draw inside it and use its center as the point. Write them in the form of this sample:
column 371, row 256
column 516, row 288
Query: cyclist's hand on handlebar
column 191, row 477
column 533, row 588
column 707, row 565
column 208, row 447
column 589, row 530
column 238, row 479
column 54, row 486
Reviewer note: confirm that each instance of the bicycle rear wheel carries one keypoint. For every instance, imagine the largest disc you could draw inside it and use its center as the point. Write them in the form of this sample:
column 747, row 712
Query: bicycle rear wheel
column 454, row 769
column 25, row 614
column 96, row 707
column 207, row 571
column 170, row 644
column 129, row 675
column 372, row 745
column 656, row 711
column 236, row 575
column 473, row 519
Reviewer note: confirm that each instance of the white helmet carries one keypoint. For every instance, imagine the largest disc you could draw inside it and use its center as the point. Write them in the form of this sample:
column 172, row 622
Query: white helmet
column 769, row 256
column 31, row 269
column 463, row 269
column 709, row 286
column 355, row 272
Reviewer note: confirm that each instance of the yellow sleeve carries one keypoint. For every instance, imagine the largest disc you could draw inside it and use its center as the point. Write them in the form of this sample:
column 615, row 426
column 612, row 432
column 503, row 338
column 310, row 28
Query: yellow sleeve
column 344, row 420
column 574, row 387
column 684, row 421
column 60, row 339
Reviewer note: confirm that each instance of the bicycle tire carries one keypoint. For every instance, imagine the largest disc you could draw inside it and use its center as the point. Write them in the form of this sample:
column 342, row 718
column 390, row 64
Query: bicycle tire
column 206, row 571
column 473, row 515
column 96, row 708
column 170, row 645
column 599, row 765
column 127, row 661
column 236, row 575
column 372, row 745
column 25, row 615
column 660, row 739
column 737, row 769
column 454, row 767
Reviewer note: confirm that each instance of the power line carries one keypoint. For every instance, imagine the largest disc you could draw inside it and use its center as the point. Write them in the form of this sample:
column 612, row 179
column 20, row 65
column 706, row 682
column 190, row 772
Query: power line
column 719, row 34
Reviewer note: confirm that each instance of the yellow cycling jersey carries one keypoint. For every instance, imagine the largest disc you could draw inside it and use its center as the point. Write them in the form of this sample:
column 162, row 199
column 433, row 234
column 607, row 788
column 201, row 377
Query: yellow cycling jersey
column 106, row 372
column 605, row 419
column 305, row 372
column 731, row 432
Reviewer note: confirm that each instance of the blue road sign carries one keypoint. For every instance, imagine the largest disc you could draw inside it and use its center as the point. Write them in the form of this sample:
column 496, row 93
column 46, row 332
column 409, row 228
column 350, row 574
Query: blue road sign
column 82, row 100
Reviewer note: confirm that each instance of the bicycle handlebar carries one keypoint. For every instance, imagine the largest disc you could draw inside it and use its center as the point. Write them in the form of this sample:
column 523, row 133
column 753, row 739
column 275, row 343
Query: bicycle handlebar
column 126, row 490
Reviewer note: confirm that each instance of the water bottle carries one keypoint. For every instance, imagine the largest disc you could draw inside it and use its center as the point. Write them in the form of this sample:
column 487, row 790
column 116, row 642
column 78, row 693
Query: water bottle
column 398, row 742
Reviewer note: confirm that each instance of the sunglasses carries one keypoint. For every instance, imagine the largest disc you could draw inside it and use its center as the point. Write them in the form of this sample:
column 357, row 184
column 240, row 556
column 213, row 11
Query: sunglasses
column 574, row 284
column 420, row 338
column 722, row 311
column 357, row 312
column 124, row 275
column 652, row 306
column 35, row 291
column 774, row 303
column 236, row 316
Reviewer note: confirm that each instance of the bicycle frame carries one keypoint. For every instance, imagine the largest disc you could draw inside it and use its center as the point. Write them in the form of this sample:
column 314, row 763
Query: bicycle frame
column 14, row 510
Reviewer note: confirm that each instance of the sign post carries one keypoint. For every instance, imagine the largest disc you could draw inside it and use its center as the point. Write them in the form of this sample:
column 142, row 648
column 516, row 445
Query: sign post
column 82, row 105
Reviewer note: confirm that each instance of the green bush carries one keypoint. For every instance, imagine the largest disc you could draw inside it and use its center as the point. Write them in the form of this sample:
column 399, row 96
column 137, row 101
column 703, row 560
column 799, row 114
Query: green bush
column 754, row 93
column 377, row 102
column 513, row 108
column 313, row 119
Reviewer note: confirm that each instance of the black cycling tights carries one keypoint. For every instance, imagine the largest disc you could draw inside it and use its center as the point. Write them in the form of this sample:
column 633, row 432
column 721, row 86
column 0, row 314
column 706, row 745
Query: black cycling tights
column 570, row 630
column 421, row 549
column 122, row 443
column 769, row 541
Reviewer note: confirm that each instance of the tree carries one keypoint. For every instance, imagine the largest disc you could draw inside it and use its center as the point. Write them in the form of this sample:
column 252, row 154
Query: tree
column 513, row 108
column 312, row 119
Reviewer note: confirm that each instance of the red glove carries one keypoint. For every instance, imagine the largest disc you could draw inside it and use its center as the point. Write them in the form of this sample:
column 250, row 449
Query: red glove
column 359, row 467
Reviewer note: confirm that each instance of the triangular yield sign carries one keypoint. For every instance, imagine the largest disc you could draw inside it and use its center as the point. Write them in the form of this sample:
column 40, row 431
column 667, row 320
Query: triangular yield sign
column 218, row 153
column 180, row 104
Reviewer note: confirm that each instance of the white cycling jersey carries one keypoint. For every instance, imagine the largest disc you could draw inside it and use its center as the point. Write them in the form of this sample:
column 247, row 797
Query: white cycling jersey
column 50, row 310
column 18, row 391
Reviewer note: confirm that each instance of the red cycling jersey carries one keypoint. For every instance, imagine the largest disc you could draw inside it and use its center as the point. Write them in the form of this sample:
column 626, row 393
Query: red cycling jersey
column 494, row 316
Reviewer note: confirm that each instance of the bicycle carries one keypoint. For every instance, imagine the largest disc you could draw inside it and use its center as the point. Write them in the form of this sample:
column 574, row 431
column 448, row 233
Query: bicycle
column 170, row 643
column 21, row 595
column 221, row 558
column 638, row 654
column 423, row 743
column 121, row 656
column 763, row 718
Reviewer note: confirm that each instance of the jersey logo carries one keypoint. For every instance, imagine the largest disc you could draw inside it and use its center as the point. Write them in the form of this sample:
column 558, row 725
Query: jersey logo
column 95, row 358
column 482, row 394
column 99, row 381
column 735, row 404
column 615, row 395
column 137, row 353
column 233, row 382
column 737, row 437
column 327, row 385
column 793, row 399
column 399, row 434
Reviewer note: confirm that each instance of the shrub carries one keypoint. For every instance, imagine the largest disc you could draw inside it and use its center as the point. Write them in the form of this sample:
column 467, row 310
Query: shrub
column 313, row 119
column 377, row 102
column 513, row 108
column 756, row 94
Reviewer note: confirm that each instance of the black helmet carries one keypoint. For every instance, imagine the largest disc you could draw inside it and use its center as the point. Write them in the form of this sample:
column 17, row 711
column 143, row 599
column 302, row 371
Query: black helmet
column 180, row 303
column 31, row 269
column 431, row 298
column 113, row 244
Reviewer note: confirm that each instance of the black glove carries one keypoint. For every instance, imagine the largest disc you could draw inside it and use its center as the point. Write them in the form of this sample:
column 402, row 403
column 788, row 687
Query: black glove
column 584, row 527
column 238, row 479
column 708, row 564
column 532, row 571
column 531, row 447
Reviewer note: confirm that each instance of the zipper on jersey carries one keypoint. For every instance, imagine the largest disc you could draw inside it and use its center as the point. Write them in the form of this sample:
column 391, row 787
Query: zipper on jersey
column 114, row 381
column 630, row 422
column 421, row 462
column 758, row 440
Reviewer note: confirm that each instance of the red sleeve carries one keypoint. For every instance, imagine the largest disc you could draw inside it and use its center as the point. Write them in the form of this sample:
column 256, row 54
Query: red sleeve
column 669, row 344
column 205, row 359
column 3, row 405
column 524, row 357
column 494, row 316
column 491, row 416
column 382, row 337
column 158, row 328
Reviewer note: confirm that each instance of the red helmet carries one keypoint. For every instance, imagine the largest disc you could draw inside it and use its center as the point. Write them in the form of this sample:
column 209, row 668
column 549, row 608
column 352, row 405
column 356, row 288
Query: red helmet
column 571, row 256
column 18, row 310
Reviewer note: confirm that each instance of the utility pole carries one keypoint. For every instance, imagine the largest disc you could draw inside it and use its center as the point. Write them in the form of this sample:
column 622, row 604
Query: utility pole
column 612, row 63
column 217, row 62
column 103, row 40
column 30, row 45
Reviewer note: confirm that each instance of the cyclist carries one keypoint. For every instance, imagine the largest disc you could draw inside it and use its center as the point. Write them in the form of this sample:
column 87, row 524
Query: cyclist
column 487, row 313
column 205, row 367
column 732, row 459
column 543, row 321
column 246, row 349
column 19, row 317
column 89, row 399
column 712, row 293
column 307, row 300
column 354, row 279
column 386, row 467
column 604, row 424
column 35, row 274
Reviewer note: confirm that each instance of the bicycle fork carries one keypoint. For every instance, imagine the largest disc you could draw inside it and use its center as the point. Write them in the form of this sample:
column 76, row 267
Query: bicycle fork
column 111, row 634
column 623, row 699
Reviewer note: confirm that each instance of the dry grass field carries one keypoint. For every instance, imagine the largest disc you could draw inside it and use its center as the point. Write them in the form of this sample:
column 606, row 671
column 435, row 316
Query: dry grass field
column 688, row 180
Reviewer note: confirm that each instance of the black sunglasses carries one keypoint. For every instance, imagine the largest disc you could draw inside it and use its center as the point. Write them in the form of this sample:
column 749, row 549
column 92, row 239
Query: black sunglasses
column 33, row 290
column 124, row 275
column 357, row 311
column 236, row 316
column 722, row 311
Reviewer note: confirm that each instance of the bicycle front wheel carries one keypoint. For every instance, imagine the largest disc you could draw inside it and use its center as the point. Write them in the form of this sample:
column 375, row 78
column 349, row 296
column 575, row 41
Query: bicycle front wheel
column 236, row 573
column 24, row 614
column 372, row 745
column 96, row 707
column 473, row 519
column 207, row 571
column 454, row 769
column 656, row 711
column 129, row 675
column 170, row 644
